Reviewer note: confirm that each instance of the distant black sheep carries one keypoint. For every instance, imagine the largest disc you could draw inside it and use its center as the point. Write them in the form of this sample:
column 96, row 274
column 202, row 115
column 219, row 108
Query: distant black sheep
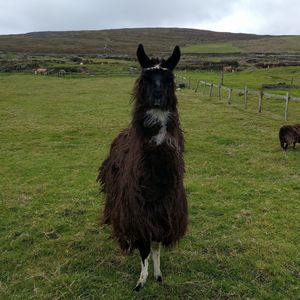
column 289, row 134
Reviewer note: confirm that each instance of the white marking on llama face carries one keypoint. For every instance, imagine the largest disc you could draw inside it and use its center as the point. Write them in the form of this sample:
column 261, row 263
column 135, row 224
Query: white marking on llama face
column 159, row 117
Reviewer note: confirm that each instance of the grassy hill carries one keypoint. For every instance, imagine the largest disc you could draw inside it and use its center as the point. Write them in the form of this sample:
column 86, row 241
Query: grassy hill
column 157, row 40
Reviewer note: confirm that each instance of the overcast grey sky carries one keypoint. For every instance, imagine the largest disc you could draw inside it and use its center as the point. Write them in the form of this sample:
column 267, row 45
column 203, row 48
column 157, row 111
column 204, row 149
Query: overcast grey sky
column 248, row 16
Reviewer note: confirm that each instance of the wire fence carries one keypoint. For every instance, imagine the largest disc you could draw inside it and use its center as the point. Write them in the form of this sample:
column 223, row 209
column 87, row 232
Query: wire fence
column 221, row 91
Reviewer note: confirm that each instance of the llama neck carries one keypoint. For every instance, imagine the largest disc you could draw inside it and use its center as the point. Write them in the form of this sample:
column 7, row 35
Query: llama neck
column 157, row 120
column 156, row 117
column 156, row 125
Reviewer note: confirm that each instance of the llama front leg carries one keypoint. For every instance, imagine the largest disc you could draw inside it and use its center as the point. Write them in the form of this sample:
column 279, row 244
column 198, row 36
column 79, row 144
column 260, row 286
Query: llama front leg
column 156, row 261
column 144, row 249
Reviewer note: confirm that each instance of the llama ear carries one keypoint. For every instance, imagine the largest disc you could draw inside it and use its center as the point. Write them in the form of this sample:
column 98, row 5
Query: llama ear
column 173, row 60
column 144, row 60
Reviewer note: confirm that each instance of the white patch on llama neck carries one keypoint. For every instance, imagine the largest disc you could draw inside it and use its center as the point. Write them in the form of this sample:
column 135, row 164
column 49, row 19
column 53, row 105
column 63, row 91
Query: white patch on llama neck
column 157, row 117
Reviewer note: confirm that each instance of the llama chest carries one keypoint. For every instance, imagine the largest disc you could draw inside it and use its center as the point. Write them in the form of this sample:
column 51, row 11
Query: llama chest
column 155, row 125
column 161, row 172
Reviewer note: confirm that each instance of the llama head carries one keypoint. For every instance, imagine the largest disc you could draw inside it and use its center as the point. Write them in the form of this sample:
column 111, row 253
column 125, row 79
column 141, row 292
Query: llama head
column 156, row 82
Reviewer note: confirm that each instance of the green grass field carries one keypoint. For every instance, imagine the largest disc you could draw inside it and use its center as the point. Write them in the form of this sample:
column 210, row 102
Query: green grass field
column 243, row 192
column 278, row 44
column 252, row 78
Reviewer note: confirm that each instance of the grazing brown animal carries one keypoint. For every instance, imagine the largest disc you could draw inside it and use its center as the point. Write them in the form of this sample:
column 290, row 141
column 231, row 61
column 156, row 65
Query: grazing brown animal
column 289, row 134
column 41, row 71
column 228, row 69
column 62, row 72
column 143, row 174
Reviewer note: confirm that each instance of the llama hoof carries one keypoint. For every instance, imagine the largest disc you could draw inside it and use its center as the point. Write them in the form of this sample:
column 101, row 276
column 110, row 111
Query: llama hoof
column 159, row 278
column 138, row 287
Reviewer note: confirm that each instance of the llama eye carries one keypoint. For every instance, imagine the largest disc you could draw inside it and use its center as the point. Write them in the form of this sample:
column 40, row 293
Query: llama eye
column 168, row 80
column 146, row 78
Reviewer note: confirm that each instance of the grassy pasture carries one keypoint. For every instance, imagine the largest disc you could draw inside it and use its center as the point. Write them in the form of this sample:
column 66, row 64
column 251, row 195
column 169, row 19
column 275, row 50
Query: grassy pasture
column 243, row 191
column 275, row 44
column 252, row 78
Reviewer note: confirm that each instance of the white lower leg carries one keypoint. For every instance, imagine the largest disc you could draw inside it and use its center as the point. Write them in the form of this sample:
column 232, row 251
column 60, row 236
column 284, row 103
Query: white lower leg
column 156, row 261
column 144, row 273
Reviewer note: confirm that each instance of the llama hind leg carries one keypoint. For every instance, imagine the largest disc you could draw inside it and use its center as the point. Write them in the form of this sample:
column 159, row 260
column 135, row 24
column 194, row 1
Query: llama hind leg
column 144, row 249
column 156, row 261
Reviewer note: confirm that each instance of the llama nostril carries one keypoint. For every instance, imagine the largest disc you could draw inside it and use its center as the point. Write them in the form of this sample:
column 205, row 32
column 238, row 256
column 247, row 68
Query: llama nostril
column 157, row 102
column 157, row 98
column 157, row 94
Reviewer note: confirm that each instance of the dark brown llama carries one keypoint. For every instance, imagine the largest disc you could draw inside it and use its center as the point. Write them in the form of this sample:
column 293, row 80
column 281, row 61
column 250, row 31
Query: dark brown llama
column 289, row 134
column 143, row 174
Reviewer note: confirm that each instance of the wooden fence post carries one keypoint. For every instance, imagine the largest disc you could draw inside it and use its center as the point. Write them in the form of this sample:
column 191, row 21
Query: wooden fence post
column 179, row 79
column 260, row 96
column 287, row 98
column 222, row 77
column 246, row 97
column 229, row 95
column 196, row 89
column 211, row 89
column 204, row 88
column 219, row 90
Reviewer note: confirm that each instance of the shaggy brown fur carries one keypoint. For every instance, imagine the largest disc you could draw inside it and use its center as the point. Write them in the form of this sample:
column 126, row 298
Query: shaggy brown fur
column 143, row 181
column 289, row 134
